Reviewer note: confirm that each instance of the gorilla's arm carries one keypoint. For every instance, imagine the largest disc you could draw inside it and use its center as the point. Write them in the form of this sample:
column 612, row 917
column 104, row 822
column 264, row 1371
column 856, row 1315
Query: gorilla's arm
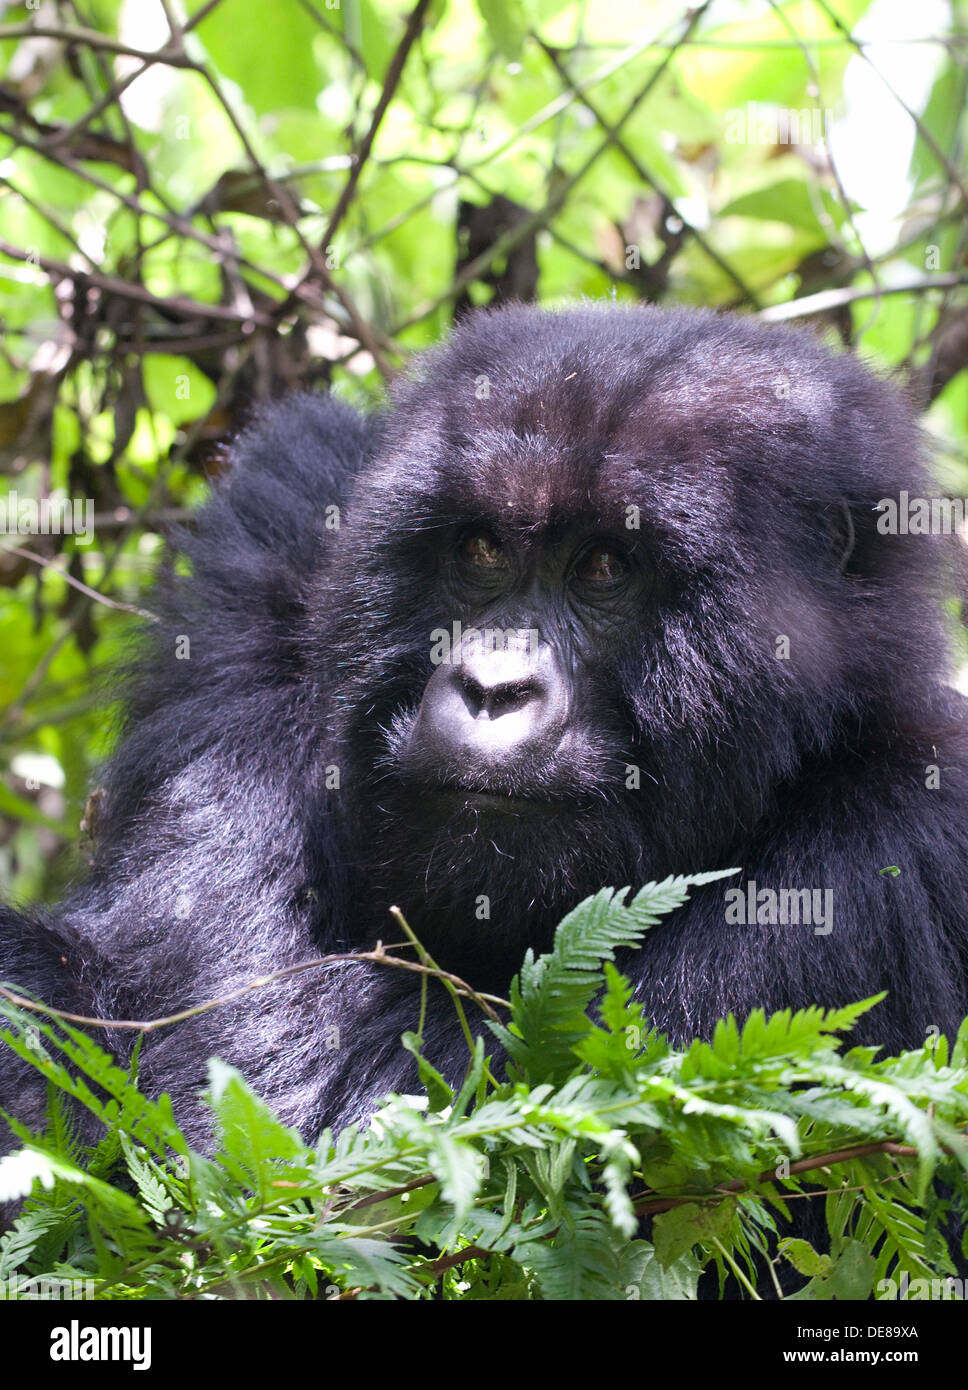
column 214, row 806
column 47, row 959
column 905, row 933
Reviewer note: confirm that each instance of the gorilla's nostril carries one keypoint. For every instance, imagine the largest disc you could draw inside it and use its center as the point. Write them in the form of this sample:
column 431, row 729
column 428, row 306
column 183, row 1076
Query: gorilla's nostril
column 473, row 693
column 505, row 698
column 490, row 701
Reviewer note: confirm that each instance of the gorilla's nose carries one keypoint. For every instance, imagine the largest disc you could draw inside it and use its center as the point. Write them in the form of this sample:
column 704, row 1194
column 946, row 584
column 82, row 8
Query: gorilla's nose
column 490, row 707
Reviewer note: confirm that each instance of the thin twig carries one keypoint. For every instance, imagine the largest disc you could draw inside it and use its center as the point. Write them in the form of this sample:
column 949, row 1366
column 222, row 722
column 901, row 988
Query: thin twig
column 54, row 563
column 378, row 956
column 390, row 83
column 126, row 289
column 648, row 1206
column 92, row 38
column 826, row 300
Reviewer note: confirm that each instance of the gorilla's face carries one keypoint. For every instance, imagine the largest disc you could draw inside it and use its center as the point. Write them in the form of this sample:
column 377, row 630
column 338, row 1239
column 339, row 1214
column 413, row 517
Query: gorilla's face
column 519, row 716
column 592, row 620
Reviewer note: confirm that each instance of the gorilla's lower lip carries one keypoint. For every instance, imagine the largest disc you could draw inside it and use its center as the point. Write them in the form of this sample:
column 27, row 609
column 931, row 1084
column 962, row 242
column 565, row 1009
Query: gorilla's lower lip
column 475, row 800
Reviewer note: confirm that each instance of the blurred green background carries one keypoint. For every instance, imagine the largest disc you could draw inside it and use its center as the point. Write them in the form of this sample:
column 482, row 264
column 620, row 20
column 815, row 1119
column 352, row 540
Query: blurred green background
column 206, row 204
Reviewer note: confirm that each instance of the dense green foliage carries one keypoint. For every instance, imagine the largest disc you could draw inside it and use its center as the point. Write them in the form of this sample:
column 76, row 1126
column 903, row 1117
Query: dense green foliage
column 608, row 1165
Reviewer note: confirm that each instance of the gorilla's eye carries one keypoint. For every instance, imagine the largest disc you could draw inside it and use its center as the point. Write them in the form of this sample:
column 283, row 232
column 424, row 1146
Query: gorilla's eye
column 602, row 564
column 483, row 550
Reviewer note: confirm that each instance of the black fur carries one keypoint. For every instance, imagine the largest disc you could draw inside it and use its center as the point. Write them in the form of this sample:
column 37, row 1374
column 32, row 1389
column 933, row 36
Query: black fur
column 756, row 460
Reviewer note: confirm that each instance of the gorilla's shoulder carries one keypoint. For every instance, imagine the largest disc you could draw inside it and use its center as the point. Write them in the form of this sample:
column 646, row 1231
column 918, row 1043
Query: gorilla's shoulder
column 275, row 506
column 227, row 615
column 310, row 442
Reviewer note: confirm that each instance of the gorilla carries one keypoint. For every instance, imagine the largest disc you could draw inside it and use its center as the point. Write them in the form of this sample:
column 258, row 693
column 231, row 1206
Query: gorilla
column 605, row 594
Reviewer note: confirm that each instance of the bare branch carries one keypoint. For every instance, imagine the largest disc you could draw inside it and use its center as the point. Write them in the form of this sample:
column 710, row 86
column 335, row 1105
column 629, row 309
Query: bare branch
column 826, row 300
column 378, row 956
column 56, row 564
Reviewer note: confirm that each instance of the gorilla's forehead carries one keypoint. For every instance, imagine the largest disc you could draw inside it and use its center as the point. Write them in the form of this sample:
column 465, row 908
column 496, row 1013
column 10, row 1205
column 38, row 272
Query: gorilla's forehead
column 541, row 449
column 542, row 486
column 532, row 479
column 708, row 425
column 543, row 408
column 592, row 369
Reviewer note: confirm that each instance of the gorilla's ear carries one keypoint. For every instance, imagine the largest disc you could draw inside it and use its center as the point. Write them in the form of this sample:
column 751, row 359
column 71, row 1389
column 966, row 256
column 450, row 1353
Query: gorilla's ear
column 841, row 533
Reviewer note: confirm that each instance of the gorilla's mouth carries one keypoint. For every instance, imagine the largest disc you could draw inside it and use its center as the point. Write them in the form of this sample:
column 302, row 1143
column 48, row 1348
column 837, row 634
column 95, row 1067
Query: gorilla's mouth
column 503, row 803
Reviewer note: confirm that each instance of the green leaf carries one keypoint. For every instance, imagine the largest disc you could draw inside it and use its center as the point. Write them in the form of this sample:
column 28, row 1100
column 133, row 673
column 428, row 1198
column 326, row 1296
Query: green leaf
column 439, row 1094
column 506, row 23
column 677, row 1283
column 804, row 1258
column 791, row 201
column 551, row 994
column 254, row 1144
column 675, row 1232
column 458, row 1168
column 852, row 1278
column 175, row 387
column 273, row 64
